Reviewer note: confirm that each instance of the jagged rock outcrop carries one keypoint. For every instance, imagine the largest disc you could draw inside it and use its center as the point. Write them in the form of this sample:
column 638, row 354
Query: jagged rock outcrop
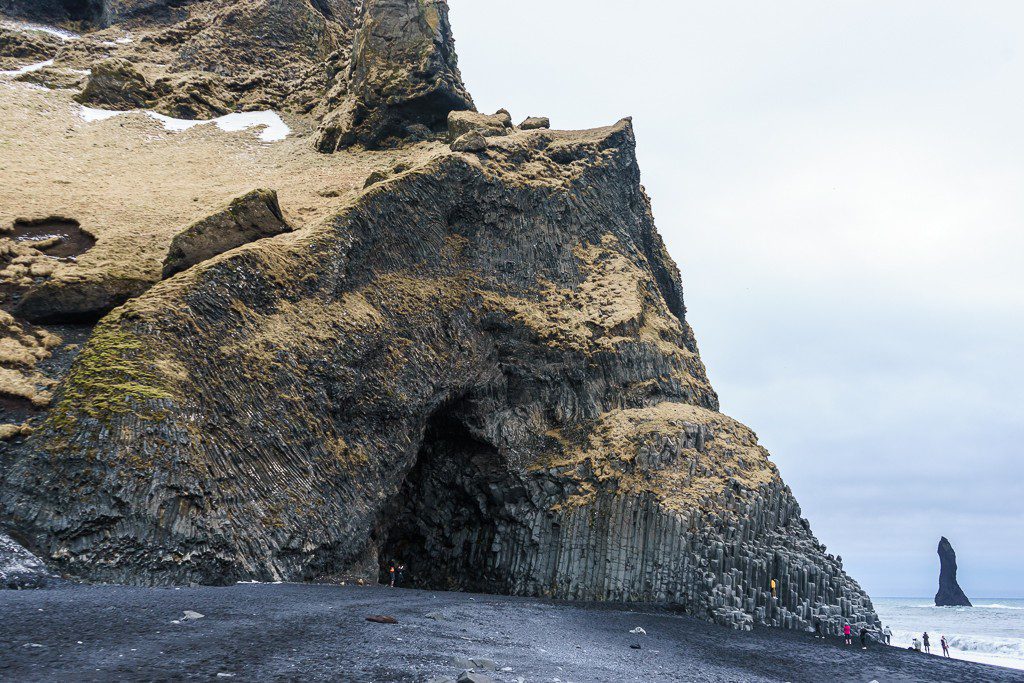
column 116, row 84
column 20, row 569
column 403, row 72
column 250, row 217
column 950, row 594
column 477, row 360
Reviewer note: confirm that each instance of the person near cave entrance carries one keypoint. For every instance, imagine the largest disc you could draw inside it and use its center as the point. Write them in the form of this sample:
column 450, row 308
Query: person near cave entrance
column 399, row 573
column 391, row 574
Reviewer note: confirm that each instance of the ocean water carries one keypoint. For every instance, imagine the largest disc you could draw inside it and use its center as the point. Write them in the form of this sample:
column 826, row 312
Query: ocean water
column 991, row 632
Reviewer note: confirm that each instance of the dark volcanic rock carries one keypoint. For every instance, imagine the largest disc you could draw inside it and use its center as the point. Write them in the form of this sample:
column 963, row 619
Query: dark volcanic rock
column 496, row 385
column 478, row 365
column 79, row 298
column 248, row 218
column 21, row 569
column 950, row 594
column 54, row 10
column 403, row 71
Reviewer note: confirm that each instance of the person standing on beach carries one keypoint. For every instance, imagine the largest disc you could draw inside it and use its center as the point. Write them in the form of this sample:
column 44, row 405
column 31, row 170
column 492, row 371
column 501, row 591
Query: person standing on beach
column 863, row 639
column 945, row 647
column 924, row 639
column 817, row 629
column 887, row 634
column 847, row 634
column 391, row 573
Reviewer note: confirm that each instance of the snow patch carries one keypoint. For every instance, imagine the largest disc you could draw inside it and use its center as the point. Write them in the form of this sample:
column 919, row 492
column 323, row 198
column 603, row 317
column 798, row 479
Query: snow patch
column 27, row 69
column 25, row 26
column 274, row 128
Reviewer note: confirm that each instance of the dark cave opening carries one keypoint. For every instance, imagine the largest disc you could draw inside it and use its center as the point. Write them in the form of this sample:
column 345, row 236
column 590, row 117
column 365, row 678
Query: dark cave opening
column 442, row 522
column 82, row 10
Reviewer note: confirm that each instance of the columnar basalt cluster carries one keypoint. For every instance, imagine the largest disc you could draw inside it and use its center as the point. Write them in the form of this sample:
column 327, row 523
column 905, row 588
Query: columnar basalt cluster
column 476, row 362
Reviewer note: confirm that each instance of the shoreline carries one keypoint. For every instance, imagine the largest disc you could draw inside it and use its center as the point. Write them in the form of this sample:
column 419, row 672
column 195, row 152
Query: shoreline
column 320, row 632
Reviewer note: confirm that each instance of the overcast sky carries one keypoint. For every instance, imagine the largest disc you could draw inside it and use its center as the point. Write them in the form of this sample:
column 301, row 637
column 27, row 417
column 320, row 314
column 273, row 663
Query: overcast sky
column 842, row 186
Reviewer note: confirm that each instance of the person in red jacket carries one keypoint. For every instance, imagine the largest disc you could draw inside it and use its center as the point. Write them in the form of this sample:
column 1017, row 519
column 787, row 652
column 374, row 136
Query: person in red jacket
column 847, row 634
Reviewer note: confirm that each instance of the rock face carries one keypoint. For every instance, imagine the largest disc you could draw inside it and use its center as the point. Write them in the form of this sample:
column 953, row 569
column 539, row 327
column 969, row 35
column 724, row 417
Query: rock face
column 950, row 594
column 477, row 362
column 403, row 72
column 248, row 218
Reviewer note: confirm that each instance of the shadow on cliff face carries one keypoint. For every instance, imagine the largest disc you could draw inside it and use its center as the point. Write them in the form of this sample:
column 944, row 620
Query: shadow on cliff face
column 446, row 515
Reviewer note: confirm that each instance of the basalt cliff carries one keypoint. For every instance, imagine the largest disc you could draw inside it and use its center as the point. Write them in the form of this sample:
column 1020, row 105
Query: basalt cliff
column 405, row 329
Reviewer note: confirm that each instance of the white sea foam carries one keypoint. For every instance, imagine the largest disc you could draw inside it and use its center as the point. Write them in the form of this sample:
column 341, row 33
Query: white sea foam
column 273, row 127
column 27, row 69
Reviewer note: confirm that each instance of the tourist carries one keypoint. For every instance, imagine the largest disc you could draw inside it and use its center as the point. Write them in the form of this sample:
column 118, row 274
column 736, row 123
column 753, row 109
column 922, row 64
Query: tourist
column 887, row 634
column 863, row 638
column 391, row 572
column 924, row 639
column 847, row 634
column 773, row 584
column 817, row 628
column 916, row 644
column 401, row 573
column 945, row 646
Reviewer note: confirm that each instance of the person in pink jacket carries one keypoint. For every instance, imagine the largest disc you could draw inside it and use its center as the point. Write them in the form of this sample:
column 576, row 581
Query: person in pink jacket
column 847, row 634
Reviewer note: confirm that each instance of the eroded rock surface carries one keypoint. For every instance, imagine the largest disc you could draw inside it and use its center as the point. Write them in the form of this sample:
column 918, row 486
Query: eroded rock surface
column 475, row 361
column 403, row 72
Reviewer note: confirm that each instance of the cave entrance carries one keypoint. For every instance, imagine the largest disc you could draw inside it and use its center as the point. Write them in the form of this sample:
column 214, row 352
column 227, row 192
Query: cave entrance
column 82, row 10
column 443, row 521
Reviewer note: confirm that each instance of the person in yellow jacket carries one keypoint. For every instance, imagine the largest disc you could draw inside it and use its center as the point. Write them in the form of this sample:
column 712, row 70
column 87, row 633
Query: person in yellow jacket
column 773, row 588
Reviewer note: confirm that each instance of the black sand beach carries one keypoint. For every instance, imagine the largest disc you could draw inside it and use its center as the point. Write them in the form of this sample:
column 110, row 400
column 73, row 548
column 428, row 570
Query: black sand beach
column 316, row 632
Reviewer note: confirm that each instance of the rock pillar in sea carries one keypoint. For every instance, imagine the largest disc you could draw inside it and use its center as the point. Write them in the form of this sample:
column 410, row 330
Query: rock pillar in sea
column 950, row 594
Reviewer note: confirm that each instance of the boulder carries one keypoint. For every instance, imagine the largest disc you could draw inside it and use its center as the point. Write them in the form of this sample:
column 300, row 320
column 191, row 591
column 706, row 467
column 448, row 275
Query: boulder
column 950, row 594
column 473, row 677
column 535, row 123
column 462, row 122
column 79, row 297
column 248, row 218
column 116, row 84
column 20, row 569
column 473, row 141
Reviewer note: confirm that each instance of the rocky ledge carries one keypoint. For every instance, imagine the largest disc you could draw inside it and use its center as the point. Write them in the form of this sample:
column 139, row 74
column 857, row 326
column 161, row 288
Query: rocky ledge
column 468, row 350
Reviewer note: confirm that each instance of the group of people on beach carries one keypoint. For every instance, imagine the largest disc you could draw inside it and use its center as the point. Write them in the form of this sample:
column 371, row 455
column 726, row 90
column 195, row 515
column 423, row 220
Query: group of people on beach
column 924, row 644
column 884, row 635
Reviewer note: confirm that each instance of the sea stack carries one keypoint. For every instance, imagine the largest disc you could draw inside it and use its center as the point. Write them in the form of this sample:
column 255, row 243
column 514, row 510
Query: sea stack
column 950, row 594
